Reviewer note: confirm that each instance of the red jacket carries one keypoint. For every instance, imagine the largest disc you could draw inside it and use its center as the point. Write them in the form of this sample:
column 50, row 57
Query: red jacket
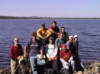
column 15, row 52
column 65, row 54
column 56, row 29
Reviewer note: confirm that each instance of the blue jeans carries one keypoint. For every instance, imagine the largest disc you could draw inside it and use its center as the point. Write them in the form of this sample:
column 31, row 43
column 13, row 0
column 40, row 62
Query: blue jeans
column 33, row 64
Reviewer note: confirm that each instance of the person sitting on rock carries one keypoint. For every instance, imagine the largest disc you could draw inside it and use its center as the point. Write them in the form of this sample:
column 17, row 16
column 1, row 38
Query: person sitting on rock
column 51, row 54
column 43, row 34
column 33, row 49
column 59, row 41
column 16, row 53
column 70, row 45
column 65, row 34
column 78, row 63
column 66, row 58
column 54, row 29
column 75, row 43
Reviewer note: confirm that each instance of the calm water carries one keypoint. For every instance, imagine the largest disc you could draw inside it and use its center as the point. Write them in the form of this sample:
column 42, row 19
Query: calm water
column 87, row 30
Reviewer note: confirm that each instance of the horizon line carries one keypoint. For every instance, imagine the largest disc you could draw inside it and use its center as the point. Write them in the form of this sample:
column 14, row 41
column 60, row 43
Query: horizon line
column 42, row 17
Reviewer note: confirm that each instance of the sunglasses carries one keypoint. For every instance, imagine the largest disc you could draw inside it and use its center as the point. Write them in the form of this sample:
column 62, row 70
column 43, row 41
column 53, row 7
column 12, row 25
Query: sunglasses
column 16, row 40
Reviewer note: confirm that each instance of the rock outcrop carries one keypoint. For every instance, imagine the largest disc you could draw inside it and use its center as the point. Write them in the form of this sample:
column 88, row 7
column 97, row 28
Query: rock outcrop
column 93, row 68
column 21, row 69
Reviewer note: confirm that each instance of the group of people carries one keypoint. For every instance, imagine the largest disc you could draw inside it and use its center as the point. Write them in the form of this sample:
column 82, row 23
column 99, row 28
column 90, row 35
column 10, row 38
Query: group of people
column 51, row 48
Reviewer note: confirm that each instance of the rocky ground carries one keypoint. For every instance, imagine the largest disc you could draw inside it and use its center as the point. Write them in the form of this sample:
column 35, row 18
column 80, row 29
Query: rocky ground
column 93, row 68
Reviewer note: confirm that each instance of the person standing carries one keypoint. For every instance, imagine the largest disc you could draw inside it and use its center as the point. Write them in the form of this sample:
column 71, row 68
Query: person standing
column 16, row 52
column 75, row 43
column 65, row 34
column 59, row 41
column 70, row 45
column 54, row 29
column 33, row 49
column 43, row 34
column 51, row 54
column 66, row 58
column 78, row 63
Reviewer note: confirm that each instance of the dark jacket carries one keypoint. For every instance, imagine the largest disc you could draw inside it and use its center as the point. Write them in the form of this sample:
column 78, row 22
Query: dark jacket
column 65, row 36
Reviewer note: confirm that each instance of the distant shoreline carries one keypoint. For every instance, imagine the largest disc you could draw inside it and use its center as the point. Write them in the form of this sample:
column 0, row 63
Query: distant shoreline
column 36, row 17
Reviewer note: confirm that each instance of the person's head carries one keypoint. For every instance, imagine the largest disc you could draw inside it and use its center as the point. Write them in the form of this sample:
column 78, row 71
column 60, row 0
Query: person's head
column 16, row 41
column 62, row 29
column 51, row 40
column 70, row 39
column 54, row 23
column 34, row 36
column 75, row 37
column 60, row 35
column 63, row 46
column 43, row 26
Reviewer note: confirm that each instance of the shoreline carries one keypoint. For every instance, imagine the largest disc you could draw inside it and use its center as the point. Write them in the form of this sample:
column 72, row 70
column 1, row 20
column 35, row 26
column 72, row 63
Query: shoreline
column 39, row 17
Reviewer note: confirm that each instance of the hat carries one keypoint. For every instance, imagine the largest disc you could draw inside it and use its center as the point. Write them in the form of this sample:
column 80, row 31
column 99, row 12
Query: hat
column 70, row 37
column 51, row 38
column 63, row 45
column 75, row 36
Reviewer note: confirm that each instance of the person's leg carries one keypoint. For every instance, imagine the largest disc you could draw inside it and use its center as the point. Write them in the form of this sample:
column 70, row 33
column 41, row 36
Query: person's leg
column 33, row 64
column 55, row 66
column 13, row 66
column 73, row 65
column 65, row 64
column 48, row 67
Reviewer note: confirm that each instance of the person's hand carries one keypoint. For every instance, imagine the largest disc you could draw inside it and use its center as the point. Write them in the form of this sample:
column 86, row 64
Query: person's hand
column 65, row 57
column 49, row 59
column 18, row 57
column 41, row 56
column 43, row 38
column 26, row 55
column 55, row 58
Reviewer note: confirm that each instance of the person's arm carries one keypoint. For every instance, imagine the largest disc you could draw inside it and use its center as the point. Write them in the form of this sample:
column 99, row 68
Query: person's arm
column 51, row 30
column 25, row 52
column 55, row 53
column 67, row 45
column 70, row 59
column 38, row 34
column 56, row 42
column 27, row 49
column 11, row 53
column 41, row 54
column 63, row 61
column 66, row 36
column 21, row 52
column 58, row 30
column 48, row 33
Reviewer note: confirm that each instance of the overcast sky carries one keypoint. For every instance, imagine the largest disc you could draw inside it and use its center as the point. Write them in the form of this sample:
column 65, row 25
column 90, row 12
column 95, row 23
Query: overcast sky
column 50, row 8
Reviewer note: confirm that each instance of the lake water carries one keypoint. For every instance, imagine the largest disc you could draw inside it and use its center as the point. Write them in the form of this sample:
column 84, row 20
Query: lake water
column 88, row 31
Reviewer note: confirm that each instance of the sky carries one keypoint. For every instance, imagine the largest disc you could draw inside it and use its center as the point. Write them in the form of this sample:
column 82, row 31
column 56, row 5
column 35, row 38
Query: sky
column 50, row 8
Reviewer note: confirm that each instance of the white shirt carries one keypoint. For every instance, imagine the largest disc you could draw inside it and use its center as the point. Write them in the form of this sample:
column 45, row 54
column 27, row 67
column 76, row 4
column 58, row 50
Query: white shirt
column 52, row 51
